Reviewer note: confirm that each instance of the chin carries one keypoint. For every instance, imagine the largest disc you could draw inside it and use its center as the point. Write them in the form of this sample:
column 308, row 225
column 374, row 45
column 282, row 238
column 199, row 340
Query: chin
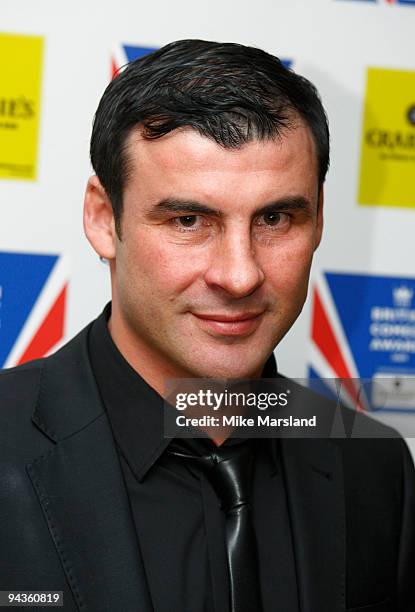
column 222, row 369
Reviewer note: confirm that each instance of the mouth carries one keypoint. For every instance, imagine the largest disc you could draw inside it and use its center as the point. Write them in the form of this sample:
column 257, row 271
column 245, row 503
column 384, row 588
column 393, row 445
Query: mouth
column 223, row 324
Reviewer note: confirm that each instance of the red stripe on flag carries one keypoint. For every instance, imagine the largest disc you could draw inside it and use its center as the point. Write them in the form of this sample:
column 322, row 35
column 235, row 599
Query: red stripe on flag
column 114, row 69
column 49, row 332
column 324, row 337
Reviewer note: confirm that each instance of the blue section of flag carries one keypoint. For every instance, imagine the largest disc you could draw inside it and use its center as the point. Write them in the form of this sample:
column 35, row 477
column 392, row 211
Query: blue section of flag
column 353, row 298
column 132, row 53
column 22, row 277
column 411, row 2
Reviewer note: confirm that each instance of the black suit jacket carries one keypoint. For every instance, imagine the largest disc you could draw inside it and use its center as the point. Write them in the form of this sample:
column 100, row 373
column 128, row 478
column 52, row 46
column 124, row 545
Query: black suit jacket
column 65, row 522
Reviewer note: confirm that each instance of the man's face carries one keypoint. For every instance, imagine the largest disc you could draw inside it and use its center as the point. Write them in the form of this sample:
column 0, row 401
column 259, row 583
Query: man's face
column 213, row 265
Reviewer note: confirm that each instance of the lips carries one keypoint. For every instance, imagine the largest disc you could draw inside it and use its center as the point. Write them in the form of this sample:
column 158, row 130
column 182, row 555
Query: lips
column 222, row 324
column 227, row 318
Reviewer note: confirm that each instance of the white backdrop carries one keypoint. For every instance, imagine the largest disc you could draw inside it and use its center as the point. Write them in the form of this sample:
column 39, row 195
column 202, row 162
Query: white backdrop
column 332, row 42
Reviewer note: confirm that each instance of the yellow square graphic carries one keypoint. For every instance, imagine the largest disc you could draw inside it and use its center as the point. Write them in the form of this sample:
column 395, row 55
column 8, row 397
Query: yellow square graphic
column 20, row 88
column 387, row 163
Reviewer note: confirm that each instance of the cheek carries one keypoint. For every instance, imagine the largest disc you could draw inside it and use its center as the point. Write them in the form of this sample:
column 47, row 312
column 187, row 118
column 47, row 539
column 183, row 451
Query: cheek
column 153, row 266
column 288, row 269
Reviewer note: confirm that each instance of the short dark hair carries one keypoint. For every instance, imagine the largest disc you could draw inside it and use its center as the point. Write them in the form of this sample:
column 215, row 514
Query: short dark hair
column 228, row 92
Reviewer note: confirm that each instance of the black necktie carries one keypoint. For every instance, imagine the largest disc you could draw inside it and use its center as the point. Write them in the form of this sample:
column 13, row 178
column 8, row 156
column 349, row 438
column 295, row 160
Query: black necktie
column 229, row 470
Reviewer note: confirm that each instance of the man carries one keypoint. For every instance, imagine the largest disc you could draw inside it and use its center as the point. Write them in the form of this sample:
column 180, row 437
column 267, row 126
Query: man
column 207, row 202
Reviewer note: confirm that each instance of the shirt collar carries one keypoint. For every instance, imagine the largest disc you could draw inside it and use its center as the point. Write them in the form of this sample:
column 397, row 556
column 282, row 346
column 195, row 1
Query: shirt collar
column 135, row 410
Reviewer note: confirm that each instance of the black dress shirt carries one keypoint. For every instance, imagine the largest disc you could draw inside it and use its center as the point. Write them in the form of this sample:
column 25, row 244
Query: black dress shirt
column 178, row 520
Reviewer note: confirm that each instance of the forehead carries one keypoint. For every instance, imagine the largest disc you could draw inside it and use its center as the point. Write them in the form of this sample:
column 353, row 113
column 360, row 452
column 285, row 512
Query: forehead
column 185, row 165
column 185, row 148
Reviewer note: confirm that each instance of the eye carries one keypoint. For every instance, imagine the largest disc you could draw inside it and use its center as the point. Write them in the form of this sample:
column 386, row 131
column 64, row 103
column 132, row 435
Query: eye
column 187, row 221
column 274, row 219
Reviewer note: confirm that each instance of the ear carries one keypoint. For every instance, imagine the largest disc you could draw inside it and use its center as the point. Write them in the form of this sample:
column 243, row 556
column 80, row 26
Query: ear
column 319, row 220
column 99, row 224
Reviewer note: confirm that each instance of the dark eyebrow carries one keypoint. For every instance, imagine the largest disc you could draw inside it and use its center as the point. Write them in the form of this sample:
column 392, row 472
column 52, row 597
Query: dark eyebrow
column 192, row 207
column 293, row 203
column 182, row 206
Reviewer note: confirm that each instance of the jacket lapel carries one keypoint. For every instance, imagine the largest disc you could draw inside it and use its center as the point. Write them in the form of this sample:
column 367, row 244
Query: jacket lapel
column 81, row 489
column 315, row 493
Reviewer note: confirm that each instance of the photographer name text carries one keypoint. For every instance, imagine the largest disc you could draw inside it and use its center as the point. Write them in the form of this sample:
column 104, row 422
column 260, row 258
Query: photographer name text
column 239, row 421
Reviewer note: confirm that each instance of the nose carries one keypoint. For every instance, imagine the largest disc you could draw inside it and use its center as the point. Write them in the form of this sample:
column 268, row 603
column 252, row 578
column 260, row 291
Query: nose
column 233, row 266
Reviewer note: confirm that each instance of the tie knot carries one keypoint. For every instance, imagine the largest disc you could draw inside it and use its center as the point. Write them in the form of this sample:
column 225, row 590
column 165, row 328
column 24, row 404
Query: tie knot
column 229, row 469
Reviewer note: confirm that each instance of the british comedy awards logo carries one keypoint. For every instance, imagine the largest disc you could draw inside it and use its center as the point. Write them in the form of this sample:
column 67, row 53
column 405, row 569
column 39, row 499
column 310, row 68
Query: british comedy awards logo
column 387, row 164
column 363, row 330
column 33, row 289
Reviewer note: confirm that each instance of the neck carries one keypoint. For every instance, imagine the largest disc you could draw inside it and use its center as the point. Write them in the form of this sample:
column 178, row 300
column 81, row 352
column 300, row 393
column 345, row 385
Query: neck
column 142, row 357
column 154, row 368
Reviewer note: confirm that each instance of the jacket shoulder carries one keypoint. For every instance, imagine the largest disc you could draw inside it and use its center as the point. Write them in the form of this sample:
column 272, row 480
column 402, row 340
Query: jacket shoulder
column 21, row 390
column 19, row 438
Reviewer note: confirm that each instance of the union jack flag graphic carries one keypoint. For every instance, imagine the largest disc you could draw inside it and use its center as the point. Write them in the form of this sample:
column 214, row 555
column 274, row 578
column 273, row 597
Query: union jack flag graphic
column 123, row 54
column 408, row 2
column 33, row 292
